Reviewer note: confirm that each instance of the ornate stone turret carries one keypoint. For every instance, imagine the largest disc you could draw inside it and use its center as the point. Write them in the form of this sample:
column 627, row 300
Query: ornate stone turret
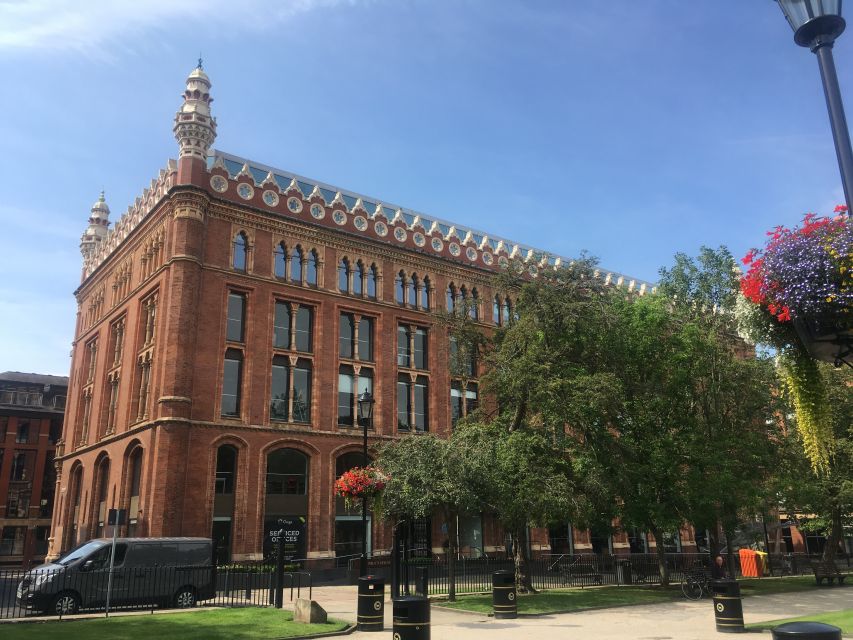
column 195, row 128
column 97, row 231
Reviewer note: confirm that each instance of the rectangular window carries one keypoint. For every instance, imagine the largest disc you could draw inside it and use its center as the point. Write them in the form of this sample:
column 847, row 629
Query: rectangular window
column 403, row 403
column 231, row 381
column 421, row 417
column 302, row 391
column 280, row 388
column 365, row 339
column 346, row 397
column 346, row 336
column 236, row 314
column 471, row 399
column 421, row 349
column 22, row 436
column 466, row 363
column 455, row 402
column 18, row 502
column 402, row 346
column 304, row 320
column 281, row 325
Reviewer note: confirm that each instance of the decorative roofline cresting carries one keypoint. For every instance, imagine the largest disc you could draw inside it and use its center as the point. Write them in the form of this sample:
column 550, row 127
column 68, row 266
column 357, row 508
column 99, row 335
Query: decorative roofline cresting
column 291, row 196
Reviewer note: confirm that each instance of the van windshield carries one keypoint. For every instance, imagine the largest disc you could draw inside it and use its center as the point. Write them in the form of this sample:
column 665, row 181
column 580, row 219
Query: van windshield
column 79, row 552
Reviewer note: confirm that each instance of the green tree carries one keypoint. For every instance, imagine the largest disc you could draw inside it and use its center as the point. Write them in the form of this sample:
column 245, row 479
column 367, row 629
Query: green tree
column 520, row 477
column 427, row 475
column 710, row 280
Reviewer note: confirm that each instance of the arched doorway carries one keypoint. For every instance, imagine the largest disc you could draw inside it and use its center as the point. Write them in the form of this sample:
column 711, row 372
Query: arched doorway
column 225, row 484
column 286, row 505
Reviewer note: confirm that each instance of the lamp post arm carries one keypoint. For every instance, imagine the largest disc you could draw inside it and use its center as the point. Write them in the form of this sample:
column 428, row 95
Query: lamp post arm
column 838, row 121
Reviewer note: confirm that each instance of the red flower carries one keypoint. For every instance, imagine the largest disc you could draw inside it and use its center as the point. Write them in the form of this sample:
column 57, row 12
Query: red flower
column 841, row 208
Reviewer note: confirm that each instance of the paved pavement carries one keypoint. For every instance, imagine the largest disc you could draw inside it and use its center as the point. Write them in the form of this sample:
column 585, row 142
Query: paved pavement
column 679, row 620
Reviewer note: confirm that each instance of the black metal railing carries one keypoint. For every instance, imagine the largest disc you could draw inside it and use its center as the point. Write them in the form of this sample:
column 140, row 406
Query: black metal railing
column 66, row 591
column 560, row 571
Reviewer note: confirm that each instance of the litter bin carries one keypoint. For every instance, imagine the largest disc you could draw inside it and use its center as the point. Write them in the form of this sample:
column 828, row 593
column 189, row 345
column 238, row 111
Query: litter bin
column 503, row 594
column 762, row 563
column 371, row 603
column 807, row 631
column 623, row 571
column 411, row 618
column 728, row 607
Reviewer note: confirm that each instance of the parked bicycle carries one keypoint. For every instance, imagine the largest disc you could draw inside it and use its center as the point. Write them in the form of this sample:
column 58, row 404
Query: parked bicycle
column 695, row 584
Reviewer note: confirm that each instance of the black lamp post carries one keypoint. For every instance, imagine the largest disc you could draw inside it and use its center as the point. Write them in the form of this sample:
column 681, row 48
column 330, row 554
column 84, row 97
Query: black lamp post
column 816, row 25
column 365, row 417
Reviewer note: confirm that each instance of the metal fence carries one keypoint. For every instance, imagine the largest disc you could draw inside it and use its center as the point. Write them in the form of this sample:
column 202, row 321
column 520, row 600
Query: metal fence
column 62, row 592
column 473, row 575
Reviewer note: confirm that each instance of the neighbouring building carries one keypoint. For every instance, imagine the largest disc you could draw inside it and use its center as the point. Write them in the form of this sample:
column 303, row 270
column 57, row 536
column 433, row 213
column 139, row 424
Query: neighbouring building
column 226, row 324
column 31, row 410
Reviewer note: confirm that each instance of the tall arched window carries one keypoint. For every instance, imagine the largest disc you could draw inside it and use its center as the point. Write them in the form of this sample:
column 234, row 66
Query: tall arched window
column 425, row 293
column 451, row 297
column 357, row 279
column 474, row 309
column 371, row 282
column 296, row 265
column 506, row 310
column 496, row 311
column 311, row 268
column 343, row 276
column 400, row 288
column 134, row 463
column 280, row 260
column 74, row 534
column 102, row 492
column 241, row 248
column 287, row 473
column 225, row 482
column 286, row 503
column 412, row 289
column 348, row 528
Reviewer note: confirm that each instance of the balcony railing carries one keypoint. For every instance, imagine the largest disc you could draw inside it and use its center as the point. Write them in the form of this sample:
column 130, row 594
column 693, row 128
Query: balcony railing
column 31, row 399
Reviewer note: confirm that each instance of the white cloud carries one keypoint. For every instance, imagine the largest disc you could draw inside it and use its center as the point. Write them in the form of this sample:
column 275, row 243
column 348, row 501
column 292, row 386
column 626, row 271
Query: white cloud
column 85, row 25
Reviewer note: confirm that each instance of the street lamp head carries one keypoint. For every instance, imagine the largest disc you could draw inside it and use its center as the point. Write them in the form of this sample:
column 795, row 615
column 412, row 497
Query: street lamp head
column 815, row 22
column 365, row 407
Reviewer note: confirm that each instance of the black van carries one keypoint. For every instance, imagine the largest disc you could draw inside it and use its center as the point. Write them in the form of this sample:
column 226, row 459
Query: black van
column 168, row 572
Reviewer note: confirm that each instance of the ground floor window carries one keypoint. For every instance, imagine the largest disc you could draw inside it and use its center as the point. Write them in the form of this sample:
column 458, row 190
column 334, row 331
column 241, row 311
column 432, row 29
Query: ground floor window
column 470, row 527
column 12, row 541
column 222, row 539
column 348, row 536
column 637, row 541
column 671, row 542
column 560, row 538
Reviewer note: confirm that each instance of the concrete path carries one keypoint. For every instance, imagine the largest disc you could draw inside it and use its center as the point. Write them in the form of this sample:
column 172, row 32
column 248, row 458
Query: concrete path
column 678, row 620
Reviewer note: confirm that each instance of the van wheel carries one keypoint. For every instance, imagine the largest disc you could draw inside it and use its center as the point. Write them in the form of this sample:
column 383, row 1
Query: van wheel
column 185, row 598
column 66, row 603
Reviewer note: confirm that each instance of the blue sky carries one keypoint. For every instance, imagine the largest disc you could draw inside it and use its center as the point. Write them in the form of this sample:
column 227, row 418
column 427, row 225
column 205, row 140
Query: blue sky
column 630, row 129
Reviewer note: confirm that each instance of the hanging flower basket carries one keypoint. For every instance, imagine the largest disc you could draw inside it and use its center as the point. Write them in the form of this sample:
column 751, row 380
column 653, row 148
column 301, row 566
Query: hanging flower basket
column 360, row 483
column 805, row 276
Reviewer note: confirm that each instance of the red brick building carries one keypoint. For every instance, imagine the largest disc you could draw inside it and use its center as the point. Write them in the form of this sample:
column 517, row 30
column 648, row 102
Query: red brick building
column 31, row 410
column 225, row 326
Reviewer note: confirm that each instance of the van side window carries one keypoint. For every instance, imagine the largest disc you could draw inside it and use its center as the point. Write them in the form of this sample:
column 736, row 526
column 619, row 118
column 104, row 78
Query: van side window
column 101, row 558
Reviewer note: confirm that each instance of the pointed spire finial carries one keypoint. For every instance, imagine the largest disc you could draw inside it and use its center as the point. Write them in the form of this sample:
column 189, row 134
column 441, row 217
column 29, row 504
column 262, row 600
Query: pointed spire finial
column 200, row 62
column 102, row 197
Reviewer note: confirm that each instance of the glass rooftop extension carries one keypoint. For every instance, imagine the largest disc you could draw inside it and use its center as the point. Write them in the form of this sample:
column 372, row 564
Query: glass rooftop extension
column 234, row 165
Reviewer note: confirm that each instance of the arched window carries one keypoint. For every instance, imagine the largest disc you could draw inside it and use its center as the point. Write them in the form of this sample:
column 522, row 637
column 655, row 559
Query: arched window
column 348, row 461
column 358, row 279
column 296, row 265
column 135, row 480
column 225, row 482
column 496, row 311
column 280, row 260
column 102, row 492
column 400, row 288
column 412, row 289
column 461, row 296
column 74, row 536
column 425, row 294
column 311, row 268
column 343, row 276
column 474, row 309
column 287, row 473
column 241, row 248
column 506, row 310
column 451, row 297
column 371, row 282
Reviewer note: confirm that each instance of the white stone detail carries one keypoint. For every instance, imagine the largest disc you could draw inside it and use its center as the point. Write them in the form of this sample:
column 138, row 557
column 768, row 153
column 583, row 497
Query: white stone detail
column 339, row 199
column 195, row 127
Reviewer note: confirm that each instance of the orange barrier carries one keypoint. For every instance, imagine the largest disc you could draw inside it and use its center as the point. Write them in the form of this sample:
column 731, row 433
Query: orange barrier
column 748, row 563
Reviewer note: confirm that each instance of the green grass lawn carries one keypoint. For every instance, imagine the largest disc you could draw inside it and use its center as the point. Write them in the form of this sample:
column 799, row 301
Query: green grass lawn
column 556, row 600
column 841, row 619
column 251, row 623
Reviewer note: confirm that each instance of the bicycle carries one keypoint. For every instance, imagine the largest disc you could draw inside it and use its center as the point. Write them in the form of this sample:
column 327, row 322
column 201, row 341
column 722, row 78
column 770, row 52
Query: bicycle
column 695, row 584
